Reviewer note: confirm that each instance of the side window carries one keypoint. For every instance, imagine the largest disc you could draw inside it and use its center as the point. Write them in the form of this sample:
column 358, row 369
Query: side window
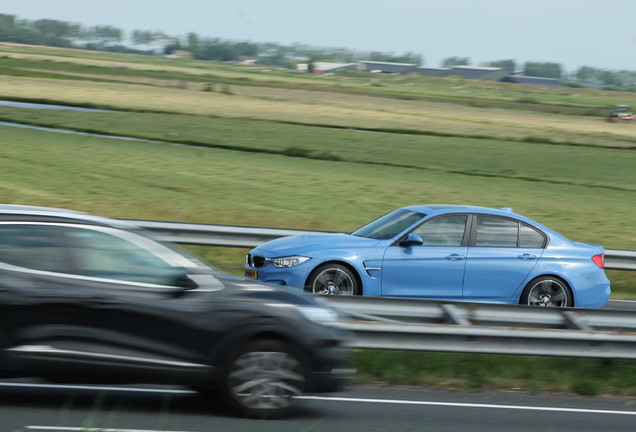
column 33, row 246
column 530, row 237
column 443, row 230
column 103, row 255
column 496, row 232
column 501, row 232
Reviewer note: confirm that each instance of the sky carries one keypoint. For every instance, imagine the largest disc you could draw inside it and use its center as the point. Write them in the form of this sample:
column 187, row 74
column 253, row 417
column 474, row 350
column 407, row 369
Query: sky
column 573, row 33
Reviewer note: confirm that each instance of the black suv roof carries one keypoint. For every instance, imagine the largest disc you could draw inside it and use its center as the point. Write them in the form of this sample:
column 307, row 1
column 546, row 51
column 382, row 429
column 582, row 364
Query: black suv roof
column 16, row 212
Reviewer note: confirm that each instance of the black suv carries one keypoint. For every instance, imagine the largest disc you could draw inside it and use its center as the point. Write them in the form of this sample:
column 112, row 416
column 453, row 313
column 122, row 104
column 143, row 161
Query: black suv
column 97, row 300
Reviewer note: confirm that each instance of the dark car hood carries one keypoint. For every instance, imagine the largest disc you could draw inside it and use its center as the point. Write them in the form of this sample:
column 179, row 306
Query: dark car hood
column 248, row 289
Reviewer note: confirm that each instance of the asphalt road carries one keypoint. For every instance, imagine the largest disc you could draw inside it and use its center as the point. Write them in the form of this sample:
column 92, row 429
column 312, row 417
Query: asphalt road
column 44, row 407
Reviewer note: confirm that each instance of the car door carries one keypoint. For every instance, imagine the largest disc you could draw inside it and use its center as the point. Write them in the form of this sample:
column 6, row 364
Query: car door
column 503, row 251
column 89, row 300
column 434, row 269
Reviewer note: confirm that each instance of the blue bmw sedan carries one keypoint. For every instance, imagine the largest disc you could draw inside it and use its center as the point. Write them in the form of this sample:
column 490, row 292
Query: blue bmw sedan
column 441, row 252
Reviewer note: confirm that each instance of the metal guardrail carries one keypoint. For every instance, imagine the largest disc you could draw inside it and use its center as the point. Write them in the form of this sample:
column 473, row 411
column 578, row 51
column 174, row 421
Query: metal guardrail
column 400, row 324
column 249, row 237
column 491, row 340
column 425, row 325
column 216, row 235
column 620, row 260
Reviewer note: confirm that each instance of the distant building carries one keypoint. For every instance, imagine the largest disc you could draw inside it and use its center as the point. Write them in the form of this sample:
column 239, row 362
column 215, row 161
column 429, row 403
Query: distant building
column 468, row 72
column 485, row 73
column 479, row 72
column 247, row 60
column 428, row 71
column 490, row 74
column 179, row 54
column 540, row 81
column 325, row 67
column 385, row 67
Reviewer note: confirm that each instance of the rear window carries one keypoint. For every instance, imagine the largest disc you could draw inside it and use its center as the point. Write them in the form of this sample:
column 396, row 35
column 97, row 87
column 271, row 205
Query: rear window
column 507, row 233
column 530, row 237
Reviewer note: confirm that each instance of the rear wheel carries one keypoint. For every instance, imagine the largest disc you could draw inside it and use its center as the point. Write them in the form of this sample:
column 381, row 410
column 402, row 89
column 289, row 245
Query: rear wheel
column 547, row 291
column 333, row 279
column 263, row 379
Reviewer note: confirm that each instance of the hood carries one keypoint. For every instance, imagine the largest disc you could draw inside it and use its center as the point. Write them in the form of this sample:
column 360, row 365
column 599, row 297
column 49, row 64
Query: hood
column 248, row 291
column 304, row 244
column 258, row 291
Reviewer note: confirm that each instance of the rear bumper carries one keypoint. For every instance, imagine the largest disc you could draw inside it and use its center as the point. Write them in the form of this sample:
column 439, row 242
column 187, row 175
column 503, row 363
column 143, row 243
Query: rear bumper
column 332, row 381
column 329, row 373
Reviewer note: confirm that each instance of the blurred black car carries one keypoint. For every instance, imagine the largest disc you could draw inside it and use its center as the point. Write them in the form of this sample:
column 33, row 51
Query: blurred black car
column 96, row 300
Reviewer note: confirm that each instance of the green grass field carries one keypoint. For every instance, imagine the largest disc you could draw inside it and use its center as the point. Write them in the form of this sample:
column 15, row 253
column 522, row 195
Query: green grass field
column 281, row 149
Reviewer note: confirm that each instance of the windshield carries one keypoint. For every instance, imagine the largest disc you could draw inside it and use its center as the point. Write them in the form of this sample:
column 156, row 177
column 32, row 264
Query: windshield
column 389, row 225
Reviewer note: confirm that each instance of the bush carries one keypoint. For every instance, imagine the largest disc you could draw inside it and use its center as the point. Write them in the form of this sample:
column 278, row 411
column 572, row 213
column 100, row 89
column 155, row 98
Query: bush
column 297, row 152
column 587, row 387
column 575, row 84
column 537, row 140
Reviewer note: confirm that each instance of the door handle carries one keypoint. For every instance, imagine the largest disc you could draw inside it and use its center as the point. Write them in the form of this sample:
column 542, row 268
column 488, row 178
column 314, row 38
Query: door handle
column 455, row 257
column 527, row 257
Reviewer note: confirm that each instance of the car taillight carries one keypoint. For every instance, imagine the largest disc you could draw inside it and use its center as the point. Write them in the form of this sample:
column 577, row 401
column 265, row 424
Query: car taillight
column 599, row 260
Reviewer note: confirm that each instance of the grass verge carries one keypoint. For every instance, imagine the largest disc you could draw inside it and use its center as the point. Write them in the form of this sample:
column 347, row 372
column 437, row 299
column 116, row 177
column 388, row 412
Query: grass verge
column 583, row 376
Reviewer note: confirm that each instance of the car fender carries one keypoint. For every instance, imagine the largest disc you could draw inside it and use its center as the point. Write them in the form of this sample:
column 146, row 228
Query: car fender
column 549, row 270
column 250, row 329
column 369, row 283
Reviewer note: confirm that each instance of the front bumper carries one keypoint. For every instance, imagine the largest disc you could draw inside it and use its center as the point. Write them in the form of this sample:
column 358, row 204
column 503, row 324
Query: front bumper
column 294, row 277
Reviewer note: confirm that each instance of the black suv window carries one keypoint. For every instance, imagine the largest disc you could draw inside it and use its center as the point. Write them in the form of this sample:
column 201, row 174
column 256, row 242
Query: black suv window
column 82, row 251
column 36, row 247
column 101, row 254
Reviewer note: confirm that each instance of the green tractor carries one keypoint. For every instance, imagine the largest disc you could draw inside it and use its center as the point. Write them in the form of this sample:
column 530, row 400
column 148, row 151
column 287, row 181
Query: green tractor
column 620, row 112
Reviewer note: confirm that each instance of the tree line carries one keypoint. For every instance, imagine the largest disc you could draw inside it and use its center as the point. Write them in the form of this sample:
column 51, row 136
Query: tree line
column 108, row 38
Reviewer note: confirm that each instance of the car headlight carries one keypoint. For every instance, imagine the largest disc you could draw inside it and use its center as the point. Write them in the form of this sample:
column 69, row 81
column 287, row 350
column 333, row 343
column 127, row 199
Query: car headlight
column 286, row 262
column 320, row 315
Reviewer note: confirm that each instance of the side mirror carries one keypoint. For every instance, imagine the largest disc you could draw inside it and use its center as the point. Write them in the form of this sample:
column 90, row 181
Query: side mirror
column 185, row 282
column 412, row 240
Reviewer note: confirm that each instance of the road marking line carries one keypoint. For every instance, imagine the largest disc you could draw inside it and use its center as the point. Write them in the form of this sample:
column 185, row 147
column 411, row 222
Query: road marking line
column 100, row 388
column 334, row 399
column 468, row 405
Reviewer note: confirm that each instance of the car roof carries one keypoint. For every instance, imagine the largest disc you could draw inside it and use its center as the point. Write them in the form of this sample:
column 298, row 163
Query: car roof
column 454, row 208
column 37, row 213
column 435, row 209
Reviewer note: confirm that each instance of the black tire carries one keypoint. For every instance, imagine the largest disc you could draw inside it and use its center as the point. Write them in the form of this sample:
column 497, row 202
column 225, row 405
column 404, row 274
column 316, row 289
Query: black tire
column 547, row 291
column 333, row 279
column 263, row 378
column 5, row 367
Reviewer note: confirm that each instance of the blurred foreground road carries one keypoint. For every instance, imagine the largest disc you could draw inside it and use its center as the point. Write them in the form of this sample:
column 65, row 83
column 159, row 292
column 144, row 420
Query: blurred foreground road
column 29, row 406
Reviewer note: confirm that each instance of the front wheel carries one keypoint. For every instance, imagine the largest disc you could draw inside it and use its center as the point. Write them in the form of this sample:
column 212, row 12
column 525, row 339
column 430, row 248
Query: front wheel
column 333, row 279
column 547, row 291
column 263, row 379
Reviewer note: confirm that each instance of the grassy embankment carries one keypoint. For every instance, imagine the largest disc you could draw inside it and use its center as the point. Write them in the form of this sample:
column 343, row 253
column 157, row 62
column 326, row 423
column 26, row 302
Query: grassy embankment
column 270, row 149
